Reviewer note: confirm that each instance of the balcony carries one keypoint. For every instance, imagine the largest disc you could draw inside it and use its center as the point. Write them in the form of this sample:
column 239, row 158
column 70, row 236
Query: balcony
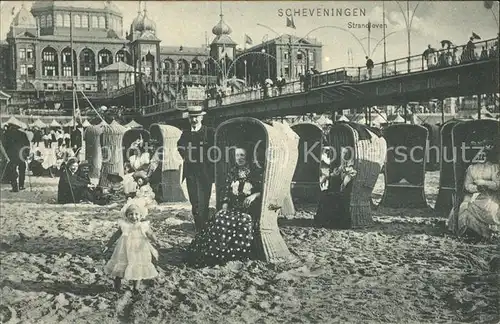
column 68, row 78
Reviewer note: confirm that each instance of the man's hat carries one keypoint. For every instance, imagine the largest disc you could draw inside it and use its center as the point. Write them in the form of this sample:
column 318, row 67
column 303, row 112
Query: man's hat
column 114, row 177
column 195, row 111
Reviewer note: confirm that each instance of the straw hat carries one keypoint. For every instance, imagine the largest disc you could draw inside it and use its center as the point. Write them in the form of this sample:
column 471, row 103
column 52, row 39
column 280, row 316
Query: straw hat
column 195, row 111
column 114, row 177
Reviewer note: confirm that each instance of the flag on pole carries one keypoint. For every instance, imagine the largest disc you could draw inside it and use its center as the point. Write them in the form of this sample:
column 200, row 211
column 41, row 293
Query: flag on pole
column 290, row 23
column 248, row 40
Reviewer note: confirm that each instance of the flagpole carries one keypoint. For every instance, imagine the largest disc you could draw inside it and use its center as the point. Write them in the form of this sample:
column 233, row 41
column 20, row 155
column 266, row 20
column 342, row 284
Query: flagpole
column 72, row 66
column 383, row 26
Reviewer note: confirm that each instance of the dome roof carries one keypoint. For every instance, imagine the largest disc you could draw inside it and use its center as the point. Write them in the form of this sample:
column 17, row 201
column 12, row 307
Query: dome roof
column 147, row 23
column 221, row 28
column 136, row 22
column 24, row 18
column 143, row 23
column 106, row 6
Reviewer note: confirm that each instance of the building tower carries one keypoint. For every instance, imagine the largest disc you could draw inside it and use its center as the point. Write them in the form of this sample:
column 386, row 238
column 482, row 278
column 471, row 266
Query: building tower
column 145, row 49
column 222, row 48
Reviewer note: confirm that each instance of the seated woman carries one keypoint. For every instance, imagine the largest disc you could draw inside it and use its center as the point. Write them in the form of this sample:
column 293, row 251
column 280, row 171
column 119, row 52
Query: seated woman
column 72, row 187
column 229, row 234
column 112, row 195
column 144, row 191
column 332, row 207
column 479, row 213
column 140, row 158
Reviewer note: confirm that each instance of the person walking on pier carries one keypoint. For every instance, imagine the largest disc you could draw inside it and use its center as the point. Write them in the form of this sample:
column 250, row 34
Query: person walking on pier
column 198, row 169
column 369, row 66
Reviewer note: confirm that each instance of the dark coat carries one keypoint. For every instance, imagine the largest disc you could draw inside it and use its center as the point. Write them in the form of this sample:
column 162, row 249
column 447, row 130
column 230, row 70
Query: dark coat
column 71, row 188
column 198, row 161
column 17, row 144
column 76, row 138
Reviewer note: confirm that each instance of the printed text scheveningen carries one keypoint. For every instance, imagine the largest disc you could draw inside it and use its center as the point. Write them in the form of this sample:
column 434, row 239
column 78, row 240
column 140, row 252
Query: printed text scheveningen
column 322, row 12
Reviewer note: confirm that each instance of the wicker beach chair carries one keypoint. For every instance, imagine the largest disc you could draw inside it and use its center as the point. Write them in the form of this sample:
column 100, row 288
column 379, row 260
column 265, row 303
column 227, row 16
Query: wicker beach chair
column 288, row 207
column 468, row 140
column 405, row 166
column 112, row 151
column 271, row 149
column 305, row 183
column 368, row 151
column 93, row 152
column 444, row 200
column 170, row 163
column 129, row 137
column 433, row 147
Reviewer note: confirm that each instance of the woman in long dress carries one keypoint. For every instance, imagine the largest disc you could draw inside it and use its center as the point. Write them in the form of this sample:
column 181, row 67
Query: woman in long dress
column 479, row 213
column 229, row 234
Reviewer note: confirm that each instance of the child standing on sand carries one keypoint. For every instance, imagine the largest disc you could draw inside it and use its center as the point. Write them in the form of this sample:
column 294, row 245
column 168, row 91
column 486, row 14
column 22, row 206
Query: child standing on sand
column 132, row 257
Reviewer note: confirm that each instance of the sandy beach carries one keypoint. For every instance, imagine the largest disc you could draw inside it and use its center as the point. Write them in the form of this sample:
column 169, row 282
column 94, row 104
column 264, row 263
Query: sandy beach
column 404, row 269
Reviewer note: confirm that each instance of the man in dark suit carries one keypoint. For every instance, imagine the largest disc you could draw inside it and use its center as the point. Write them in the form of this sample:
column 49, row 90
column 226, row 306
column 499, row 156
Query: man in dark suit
column 17, row 146
column 198, row 168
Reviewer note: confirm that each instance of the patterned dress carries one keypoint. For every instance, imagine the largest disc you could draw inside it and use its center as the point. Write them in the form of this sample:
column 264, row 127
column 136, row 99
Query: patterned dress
column 132, row 257
column 229, row 234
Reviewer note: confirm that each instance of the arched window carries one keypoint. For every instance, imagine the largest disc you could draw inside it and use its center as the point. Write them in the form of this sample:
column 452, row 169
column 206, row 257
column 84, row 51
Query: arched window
column 67, row 20
column 102, row 22
column 49, row 62
column 87, row 62
column 43, row 22
column 78, row 21
column 105, row 58
column 93, row 20
column 59, row 20
column 66, row 62
column 49, row 21
column 85, row 21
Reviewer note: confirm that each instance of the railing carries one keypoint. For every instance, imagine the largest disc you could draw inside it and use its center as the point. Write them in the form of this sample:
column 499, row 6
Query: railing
column 440, row 59
column 171, row 106
column 190, row 78
column 68, row 78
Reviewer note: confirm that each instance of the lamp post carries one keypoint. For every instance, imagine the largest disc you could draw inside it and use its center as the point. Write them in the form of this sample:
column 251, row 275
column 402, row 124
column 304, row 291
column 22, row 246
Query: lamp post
column 245, row 62
column 132, row 53
column 408, row 22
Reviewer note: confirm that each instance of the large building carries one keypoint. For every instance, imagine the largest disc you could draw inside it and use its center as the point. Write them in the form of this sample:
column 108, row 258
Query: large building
column 38, row 67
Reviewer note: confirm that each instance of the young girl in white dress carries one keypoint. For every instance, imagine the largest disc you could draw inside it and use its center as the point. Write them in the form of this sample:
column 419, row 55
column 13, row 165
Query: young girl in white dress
column 132, row 257
column 144, row 191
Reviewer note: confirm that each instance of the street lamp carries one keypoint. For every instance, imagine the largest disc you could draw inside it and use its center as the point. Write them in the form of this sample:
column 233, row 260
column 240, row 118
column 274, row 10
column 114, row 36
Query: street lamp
column 132, row 53
column 245, row 62
column 408, row 22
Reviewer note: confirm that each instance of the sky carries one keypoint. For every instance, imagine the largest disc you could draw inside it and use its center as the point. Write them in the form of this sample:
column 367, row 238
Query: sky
column 187, row 22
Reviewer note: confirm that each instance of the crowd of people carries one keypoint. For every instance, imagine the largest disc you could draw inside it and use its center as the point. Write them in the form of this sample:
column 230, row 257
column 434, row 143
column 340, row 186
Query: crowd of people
column 230, row 233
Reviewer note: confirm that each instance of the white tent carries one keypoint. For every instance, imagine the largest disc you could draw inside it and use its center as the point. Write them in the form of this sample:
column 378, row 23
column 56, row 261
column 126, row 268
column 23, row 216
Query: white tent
column 323, row 120
column 86, row 123
column 14, row 121
column 38, row 123
column 378, row 120
column 133, row 124
column 69, row 124
column 54, row 123
column 343, row 118
column 398, row 119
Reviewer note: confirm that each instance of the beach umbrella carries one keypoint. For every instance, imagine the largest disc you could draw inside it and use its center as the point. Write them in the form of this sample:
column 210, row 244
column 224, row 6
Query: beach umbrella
column 428, row 51
column 14, row 121
column 133, row 124
column 475, row 36
column 446, row 43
